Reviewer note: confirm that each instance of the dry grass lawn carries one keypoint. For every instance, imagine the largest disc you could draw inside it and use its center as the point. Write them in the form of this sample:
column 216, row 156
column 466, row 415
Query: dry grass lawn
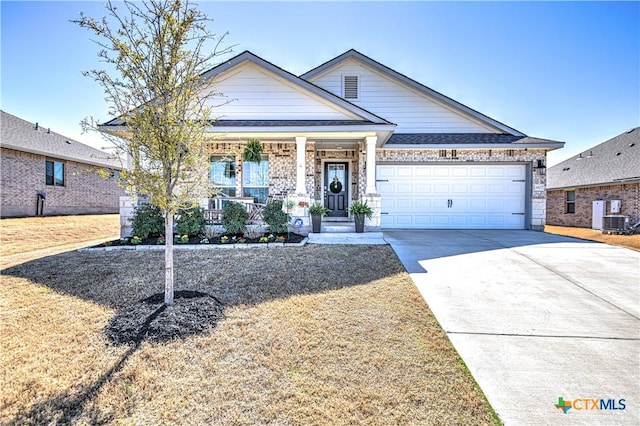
column 311, row 335
column 23, row 239
column 628, row 241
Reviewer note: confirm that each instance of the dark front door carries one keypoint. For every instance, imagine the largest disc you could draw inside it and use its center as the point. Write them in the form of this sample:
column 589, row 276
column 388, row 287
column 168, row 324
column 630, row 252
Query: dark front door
column 336, row 188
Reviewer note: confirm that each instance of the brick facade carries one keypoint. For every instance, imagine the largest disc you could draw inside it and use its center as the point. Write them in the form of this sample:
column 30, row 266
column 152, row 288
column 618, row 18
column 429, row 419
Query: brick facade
column 22, row 174
column 629, row 194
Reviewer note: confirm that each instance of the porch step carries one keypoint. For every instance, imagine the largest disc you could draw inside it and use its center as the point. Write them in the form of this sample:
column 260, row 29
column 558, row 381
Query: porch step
column 338, row 227
column 346, row 237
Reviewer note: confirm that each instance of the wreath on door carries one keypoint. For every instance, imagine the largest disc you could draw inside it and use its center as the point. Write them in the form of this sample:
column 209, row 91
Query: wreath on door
column 335, row 186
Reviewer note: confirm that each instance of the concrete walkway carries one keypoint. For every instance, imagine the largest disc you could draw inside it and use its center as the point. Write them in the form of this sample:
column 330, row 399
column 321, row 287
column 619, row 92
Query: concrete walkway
column 536, row 317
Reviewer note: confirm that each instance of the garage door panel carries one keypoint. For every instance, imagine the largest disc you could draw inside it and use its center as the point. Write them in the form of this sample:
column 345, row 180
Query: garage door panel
column 441, row 188
column 453, row 196
column 422, row 188
column 459, row 188
column 404, row 188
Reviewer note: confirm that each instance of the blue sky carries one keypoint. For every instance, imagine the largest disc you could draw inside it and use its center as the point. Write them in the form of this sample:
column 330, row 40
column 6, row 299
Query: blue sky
column 567, row 71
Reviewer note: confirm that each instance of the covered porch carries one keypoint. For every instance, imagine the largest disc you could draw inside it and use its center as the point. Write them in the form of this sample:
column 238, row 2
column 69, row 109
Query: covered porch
column 330, row 166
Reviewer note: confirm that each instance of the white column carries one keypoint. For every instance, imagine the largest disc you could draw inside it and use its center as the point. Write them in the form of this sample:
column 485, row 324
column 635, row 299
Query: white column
column 301, row 187
column 371, row 165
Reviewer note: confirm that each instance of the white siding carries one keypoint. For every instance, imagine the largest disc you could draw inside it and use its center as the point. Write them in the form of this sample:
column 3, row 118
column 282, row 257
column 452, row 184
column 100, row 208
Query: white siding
column 255, row 94
column 411, row 111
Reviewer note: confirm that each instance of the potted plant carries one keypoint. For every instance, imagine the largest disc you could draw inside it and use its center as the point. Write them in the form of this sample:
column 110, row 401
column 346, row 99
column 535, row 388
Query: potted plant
column 359, row 211
column 252, row 151
column 317, row 212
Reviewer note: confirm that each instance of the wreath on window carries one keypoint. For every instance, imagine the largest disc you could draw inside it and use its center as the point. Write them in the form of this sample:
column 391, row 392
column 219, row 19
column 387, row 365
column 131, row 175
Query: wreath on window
column 253, row 151
column 335, row 186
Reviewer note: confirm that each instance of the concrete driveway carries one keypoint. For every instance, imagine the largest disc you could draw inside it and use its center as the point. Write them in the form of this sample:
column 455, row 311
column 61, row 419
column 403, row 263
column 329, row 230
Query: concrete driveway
column 536, row 317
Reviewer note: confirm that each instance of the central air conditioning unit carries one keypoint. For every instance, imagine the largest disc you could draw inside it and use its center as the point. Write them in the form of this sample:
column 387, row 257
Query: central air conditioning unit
column 614, row 223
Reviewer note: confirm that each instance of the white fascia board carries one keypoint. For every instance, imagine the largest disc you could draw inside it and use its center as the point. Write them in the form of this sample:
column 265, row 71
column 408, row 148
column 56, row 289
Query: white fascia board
column 304, row 129
column 547, row 146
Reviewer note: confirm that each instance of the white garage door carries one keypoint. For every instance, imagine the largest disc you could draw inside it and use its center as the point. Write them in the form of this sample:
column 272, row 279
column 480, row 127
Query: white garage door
column 452, row 196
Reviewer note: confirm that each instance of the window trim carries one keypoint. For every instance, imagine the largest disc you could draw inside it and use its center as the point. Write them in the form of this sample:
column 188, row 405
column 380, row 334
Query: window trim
column 54, row 181
column 233, row 169
column 265, row 159
column 568, row 203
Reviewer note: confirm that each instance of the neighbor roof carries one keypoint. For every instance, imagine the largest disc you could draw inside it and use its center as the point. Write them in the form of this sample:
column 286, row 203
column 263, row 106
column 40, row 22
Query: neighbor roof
column 22, row 135
column 612, row 162
column 412, row 83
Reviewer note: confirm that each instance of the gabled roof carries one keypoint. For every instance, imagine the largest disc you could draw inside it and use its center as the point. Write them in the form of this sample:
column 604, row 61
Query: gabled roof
column 354, row 54
column 368, row 118
column 248, row 56
column 612, row 162
column 22, row 135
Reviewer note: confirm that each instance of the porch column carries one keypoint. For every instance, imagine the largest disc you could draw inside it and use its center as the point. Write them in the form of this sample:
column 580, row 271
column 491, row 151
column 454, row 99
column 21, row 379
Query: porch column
column 371, row 165
column 301, row 187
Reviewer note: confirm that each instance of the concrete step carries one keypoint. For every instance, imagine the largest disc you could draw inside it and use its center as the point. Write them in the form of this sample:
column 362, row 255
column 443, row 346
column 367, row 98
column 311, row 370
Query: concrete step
column 338, row 227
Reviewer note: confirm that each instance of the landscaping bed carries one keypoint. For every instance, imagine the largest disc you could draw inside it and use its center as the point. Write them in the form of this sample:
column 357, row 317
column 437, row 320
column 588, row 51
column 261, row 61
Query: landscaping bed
column 238, row 239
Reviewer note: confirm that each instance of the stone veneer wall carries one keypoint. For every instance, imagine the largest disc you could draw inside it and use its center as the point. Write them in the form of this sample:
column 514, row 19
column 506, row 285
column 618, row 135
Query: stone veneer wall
column 22, row 174
column 282, row 164
column 629, row 194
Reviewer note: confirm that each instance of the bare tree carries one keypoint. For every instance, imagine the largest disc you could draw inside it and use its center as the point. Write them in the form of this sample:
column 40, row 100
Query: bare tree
column 155, row 52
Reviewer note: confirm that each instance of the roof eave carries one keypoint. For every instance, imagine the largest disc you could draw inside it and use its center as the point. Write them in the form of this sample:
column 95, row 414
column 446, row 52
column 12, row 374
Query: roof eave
column 63, row 156
column 515, row 145
column 588, row 185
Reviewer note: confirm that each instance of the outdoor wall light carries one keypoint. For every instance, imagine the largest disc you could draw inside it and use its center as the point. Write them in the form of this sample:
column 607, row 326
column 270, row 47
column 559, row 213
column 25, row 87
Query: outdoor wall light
column 542, row 169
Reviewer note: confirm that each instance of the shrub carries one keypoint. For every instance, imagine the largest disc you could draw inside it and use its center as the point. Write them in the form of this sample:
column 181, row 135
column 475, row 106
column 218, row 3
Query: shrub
column 234, row 217
column 191, row 222
column 275, row 217
column 147, row 221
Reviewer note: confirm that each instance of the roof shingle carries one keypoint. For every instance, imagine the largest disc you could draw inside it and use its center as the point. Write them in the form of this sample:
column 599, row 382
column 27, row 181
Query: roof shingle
column 614, row 161
column 22, row 135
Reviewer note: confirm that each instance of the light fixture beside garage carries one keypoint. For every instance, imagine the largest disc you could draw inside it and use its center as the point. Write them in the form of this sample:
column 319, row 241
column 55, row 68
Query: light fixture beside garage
column 542, row 169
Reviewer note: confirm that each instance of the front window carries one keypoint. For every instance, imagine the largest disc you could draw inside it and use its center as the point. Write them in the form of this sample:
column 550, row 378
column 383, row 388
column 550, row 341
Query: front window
column 255, row 180
column 223, row 175
column 54, row 175
column 570, row 202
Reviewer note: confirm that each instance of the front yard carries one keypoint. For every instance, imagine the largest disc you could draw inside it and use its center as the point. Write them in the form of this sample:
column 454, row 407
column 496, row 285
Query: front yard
column 312, row 335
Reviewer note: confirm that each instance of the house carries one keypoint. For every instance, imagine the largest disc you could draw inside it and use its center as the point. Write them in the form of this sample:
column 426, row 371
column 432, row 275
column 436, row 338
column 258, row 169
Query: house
column 45, row 173
column 603, row 180
column 354, row 129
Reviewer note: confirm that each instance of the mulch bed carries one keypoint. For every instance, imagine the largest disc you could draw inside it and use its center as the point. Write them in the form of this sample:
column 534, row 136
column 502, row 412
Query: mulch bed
column 192, row 312
column 291, row 238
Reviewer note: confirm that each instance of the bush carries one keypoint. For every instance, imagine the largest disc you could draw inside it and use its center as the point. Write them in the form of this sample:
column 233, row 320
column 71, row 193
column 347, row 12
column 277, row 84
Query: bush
column 275, row 217
column 190, row 222
column 148, row 221
column 234, row 217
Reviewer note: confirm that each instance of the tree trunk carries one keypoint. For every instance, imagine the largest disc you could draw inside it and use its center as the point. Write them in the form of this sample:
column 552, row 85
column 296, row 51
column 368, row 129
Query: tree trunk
column 168, row 259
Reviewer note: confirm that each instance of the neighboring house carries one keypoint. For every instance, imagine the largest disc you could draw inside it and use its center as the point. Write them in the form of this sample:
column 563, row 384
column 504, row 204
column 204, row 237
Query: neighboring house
column 608, row 173
column 353, row 128
column 44, row 173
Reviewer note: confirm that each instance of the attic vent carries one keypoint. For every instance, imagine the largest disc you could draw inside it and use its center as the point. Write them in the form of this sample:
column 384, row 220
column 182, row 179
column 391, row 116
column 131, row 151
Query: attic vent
column 632, row 144
column 350, row 86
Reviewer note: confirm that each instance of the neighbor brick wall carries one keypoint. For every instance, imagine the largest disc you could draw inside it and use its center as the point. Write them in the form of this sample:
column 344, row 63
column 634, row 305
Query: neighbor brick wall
column 629, row 194
column 23, row 174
